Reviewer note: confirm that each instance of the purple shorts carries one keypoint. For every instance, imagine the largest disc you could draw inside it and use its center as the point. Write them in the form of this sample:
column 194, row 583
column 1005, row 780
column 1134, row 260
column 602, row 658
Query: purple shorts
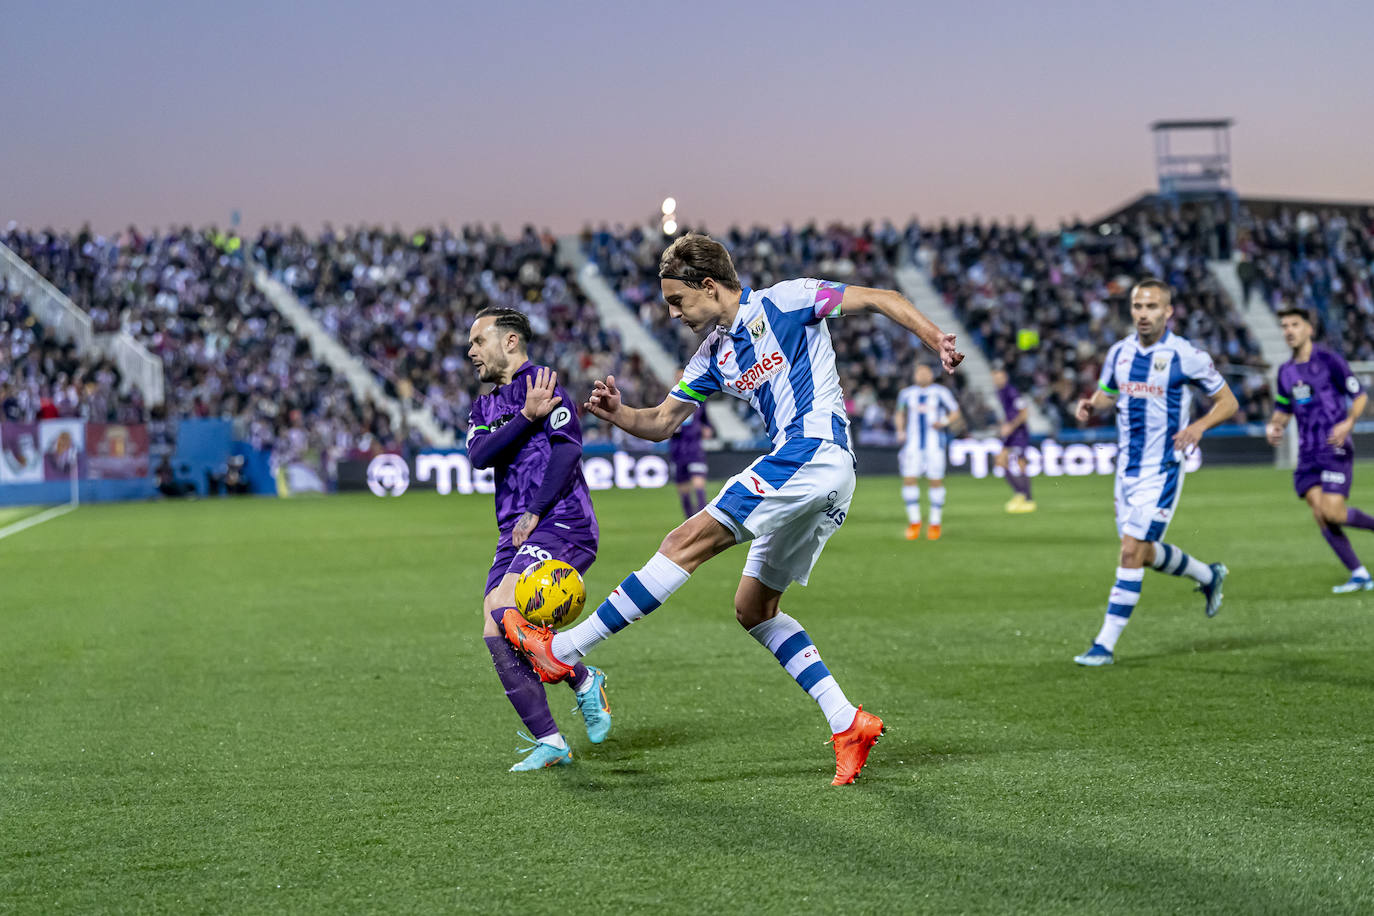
column 695, row 466
column 1331, row 470
column 542, row 545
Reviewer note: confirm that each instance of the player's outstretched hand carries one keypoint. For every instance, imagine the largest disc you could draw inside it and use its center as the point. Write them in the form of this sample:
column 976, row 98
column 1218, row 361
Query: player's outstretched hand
column 949, row 356
column 540, row 399
column 605, row 399
column 1187, row 438
column 1274, row 434
column 1084, row 411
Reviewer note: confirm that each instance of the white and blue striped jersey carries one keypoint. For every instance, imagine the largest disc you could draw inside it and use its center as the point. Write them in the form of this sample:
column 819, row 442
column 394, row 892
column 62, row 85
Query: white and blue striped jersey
column 777, row 356
column 1153, row 396
column 924, row 408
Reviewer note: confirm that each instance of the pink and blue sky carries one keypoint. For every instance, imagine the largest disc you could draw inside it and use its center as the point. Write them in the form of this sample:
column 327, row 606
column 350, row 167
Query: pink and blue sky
column 564, row 113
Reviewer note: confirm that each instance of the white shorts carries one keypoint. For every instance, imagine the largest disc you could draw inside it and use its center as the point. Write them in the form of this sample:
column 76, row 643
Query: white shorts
column 1145, row 505
column 789, row 502
column 928, row 462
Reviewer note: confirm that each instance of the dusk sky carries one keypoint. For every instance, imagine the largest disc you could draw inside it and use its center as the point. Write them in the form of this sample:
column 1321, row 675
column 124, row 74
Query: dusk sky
column 562, row 114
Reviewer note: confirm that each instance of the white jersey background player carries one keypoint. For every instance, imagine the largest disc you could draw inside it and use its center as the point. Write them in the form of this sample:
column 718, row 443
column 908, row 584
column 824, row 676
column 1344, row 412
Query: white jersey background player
column 925, row 411
column 772, row 348
column 1147, row 377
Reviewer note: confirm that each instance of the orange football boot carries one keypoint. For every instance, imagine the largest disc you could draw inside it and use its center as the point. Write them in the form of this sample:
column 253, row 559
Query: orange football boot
column 934, row 533
column 913, row 531
column 853, row 744
column 536, row 645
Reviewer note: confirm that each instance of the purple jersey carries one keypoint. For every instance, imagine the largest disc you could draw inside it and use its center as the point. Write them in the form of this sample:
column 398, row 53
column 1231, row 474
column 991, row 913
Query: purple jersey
column 1013, row 402
column 1318, row 394
column 685, row 446
column 520, row 469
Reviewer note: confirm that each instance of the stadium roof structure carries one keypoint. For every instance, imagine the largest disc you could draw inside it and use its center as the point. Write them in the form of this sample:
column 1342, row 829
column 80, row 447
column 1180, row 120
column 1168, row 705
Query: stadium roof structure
column 1205, row 168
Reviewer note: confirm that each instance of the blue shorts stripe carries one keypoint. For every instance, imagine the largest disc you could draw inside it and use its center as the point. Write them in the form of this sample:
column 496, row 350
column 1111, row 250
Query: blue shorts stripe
column 737, row 502
column 813, row 675
column 640, row 595
column 1120, row 610
column 1129, row 586
column 1156, row 531
column 791, row 646
column 611, row 617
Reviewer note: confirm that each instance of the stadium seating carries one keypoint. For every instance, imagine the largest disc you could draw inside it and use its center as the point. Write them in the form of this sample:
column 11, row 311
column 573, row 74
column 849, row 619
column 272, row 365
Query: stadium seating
column 226, row 352
column 41, row 378
column 1318, row 259
column 404, row 303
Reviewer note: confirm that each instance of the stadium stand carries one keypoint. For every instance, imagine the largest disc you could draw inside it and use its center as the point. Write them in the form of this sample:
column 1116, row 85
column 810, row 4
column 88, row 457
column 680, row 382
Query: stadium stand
column 403, row 303
column 226, row 352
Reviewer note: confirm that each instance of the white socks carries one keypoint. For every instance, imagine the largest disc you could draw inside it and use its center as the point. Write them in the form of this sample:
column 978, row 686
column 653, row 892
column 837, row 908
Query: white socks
column 912, row 497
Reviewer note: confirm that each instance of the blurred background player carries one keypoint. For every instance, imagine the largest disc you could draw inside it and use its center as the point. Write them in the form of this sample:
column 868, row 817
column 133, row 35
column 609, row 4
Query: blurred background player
column 689, row 459
column 1148, row 377
column 1318, row 388
column 527, row 431
column 924, row 411
column 772, row 348
column 1015, row 440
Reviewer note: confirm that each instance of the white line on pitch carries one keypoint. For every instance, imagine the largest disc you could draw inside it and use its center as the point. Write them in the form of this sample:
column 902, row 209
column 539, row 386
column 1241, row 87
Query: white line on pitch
column 32, row 520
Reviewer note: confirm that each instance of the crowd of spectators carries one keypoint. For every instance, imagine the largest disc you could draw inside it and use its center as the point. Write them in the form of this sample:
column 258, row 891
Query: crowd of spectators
column 226, row 352
column 1319, row 259
column 404, row 304
column 44, row 379
column 1048, row 305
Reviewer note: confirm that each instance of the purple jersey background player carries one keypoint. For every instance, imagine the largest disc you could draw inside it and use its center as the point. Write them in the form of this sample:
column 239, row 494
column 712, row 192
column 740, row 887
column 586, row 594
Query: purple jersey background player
column 688, row 456
column 1317, row 387
column 1318, row 392
column 1015, row 438
column 527, row 430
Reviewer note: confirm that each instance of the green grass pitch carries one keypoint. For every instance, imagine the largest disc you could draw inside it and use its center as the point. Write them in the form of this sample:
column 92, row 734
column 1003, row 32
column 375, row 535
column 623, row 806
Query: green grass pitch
column 285, row 706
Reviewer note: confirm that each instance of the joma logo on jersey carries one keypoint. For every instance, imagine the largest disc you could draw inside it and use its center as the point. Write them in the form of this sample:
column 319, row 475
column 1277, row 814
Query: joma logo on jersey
column 759, row 373
column 757, row 328
column 1142, row 390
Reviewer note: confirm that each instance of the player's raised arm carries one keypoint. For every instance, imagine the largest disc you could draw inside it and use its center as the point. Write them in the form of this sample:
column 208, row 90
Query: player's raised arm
column 652, row 423
column 896, row 307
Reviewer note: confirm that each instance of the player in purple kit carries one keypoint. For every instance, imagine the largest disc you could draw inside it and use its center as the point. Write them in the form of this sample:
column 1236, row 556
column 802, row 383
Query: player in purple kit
column 689, row 459
column 1015, row 440
column 1317, row 387
column 525, row 429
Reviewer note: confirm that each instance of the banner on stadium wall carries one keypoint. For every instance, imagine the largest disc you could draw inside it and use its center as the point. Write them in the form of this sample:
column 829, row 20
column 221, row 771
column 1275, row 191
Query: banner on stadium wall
column 63, row 444
column 1048, row 459
column 115, row 451
column 452, row 472
column 20, row 459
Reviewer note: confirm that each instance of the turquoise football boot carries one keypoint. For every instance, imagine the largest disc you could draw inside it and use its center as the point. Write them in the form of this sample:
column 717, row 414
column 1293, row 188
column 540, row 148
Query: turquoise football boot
column 1095, row 657
column 1213, row 592
column 595, row 708
column 540, row 756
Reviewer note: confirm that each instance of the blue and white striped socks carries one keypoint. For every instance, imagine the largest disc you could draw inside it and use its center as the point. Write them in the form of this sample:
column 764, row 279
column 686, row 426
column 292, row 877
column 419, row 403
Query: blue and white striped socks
column 1169, row 559
column 1124, row 597
column 793, row 649
column 639, row 594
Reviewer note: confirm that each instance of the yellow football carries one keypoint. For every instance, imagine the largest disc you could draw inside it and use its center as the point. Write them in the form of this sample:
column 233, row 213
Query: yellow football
column 550, row 593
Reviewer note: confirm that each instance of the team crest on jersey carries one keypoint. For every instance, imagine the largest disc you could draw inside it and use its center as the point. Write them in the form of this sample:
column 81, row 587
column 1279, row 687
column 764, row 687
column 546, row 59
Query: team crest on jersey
column 1161, row 362
column 757, row 328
